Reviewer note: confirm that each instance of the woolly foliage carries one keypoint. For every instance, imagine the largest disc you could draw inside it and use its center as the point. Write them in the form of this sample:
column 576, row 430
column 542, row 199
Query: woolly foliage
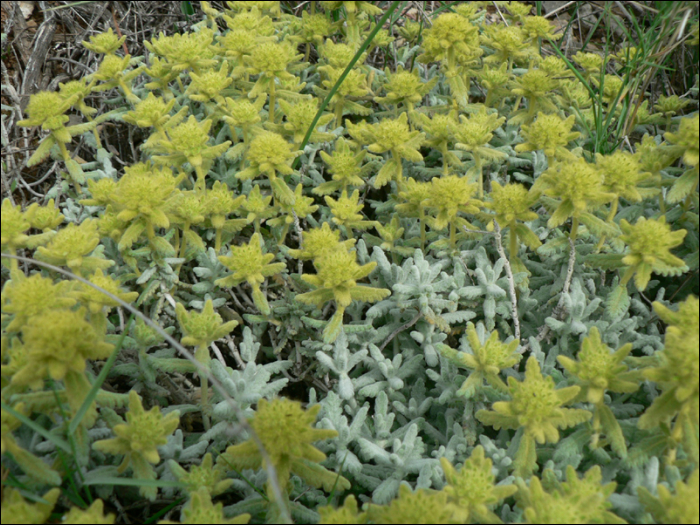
column 95, row 300
column 622, row 174
column 141, row 200
column 347, row 513
column 303, row 207
column 47, row 109
column 151, row 112
column 298, row 118
column 415, row 195
column 511, row 203
column 473, row 134
column 242, row 112
column 114, row 73
column 184, row 51
column 591, row 63
column 685, row 144
column 209, row 84
column 476, row 131
column 26, row 297
column 188, row 143
column 313, row 29
column 248, row 206
column 45, row 218
column 449, row 35
column 598, row 370
column 685, row 140
column 677, row 507
column 93, row 514
column 71, row 247
column 104, row 43
column 510, row 45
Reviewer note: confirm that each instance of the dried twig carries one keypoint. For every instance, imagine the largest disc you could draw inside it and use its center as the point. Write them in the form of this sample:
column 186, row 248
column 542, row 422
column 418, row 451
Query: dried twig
column 559, row 309
column 33, row 69
column 401, row 329
column 511, row 280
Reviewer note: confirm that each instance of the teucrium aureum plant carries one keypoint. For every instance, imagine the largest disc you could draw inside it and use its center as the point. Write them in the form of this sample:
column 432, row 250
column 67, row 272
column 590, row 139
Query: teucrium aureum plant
column 419, row 258
column 391, row 136
column 471, row 491
column 338, row 273
column 574, row 499
column 200, row 330
column 537, row 408
column 271, row 154
column 676, row 375
column 596, row 371
column 486, row 360
column 286, row 433
column 251, row 265
column 138, row 438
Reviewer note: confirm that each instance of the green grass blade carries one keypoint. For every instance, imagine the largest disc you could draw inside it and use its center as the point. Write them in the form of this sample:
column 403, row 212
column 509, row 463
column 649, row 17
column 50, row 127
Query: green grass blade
column 131, row 482
column 63, row 445
column 92, row 394
column 443, row 7
column 340, row 80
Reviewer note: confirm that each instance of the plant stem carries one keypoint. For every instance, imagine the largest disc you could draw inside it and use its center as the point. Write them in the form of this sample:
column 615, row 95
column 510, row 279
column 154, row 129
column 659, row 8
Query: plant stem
column 271, row 108
column 202, row 356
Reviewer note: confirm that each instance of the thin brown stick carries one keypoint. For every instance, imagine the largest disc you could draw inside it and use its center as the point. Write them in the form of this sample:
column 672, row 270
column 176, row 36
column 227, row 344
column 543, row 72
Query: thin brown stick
column 119, row 31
